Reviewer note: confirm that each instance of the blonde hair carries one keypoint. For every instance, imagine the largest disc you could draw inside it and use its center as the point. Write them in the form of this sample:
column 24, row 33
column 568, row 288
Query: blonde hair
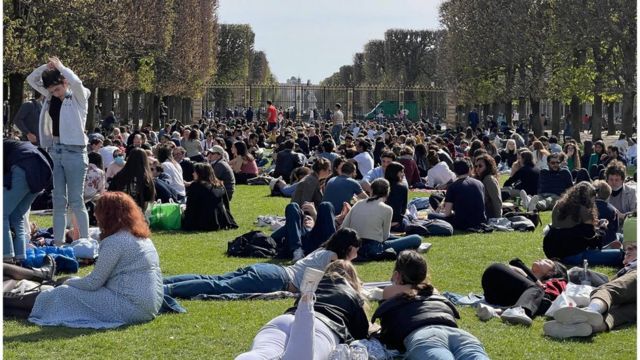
column 345, row 269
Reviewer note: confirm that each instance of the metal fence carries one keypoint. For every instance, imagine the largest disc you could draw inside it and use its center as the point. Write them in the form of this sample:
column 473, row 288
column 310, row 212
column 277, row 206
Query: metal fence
column 356, row 101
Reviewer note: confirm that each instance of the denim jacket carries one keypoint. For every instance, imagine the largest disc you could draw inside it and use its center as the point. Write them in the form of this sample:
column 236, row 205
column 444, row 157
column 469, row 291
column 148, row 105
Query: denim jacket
column 73, row 113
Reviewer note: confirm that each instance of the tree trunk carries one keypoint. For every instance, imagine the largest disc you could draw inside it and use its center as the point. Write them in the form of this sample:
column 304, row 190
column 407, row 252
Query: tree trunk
column 486, row 108
column 186, row 112
column 135, row 105
column 627, row 113
column 508, row 112
column 555, row 117
column 596, row 118
column 522, row 111
column 156, row 113
column 576, row 108
column 106, row 96
column 123, row 106
column 16, row 91
column 148, row 107
column 538, row 127
column 92, row 122
column 611, row 123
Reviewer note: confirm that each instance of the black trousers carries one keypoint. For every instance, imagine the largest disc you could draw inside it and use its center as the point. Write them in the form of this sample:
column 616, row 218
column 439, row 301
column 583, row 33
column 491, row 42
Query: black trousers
column 505, row 287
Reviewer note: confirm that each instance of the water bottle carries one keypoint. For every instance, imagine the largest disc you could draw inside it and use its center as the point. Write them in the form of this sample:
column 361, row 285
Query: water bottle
column 341, row 352
column 359, row 353
column 586, row 279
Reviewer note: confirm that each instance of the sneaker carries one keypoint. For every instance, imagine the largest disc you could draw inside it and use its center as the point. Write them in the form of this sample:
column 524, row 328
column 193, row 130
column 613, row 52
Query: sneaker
column 574, row 315
column 532, row 203
column 273, row 182
column 297, row 254
column 424, row 247
column 516, row 316
column 558, row 330
column 486, row 312
column 310, row 280
column 524, row 198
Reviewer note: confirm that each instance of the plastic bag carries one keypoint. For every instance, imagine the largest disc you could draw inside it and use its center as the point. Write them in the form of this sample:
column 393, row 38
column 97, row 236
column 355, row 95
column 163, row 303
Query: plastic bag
column 560, row 302
column 167, row 216
column 580, row 294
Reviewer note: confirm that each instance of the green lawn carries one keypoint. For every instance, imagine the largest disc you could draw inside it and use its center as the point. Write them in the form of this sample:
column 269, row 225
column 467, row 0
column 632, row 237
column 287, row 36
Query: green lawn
column 221, row 330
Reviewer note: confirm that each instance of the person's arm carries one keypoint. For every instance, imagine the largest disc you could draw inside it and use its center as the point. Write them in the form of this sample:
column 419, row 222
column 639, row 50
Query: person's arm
column 108, row 258
column 386, row 224
column 447, row 209
column 493, row 190
column 236, row 164
column 35, row 80
column 80, row 93
column 362, row 195
column 346, row 223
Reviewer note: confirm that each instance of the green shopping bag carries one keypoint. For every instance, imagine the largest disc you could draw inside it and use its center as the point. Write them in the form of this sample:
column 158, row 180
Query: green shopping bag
column 167, row 216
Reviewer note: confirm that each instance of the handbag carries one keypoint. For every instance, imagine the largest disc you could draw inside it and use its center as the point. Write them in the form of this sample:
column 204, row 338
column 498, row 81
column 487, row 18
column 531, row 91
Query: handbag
column 167, row 216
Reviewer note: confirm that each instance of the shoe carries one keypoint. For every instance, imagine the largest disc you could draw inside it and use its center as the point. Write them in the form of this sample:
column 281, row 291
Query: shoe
column 424, row 247
column 273, row 182
column 532, row 203
column 297, row 254
column 388, row 254
column 574, row 315
column 558, row 330
column 486, row 312
column 516, row 316
column 47, row 270
column 310, row 280
column 525, row 199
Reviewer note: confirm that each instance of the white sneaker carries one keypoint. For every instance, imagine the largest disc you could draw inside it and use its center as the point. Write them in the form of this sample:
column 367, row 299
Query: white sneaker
column 575, row 315
column 516, row 316
column 533, row 202
column 486, row 312
column 273, row 182
column 297, row 254
column 558, row 330
column 310, row 280
column 424, row 247
column 524, row 198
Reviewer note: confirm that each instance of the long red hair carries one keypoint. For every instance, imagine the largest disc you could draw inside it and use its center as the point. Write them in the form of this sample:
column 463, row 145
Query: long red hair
column 116, row 211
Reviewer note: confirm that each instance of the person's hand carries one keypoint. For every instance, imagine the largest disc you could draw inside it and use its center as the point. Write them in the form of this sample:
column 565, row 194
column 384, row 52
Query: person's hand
column 54, row 63
column 310, row 209
column 32, row 138
column 603, row 223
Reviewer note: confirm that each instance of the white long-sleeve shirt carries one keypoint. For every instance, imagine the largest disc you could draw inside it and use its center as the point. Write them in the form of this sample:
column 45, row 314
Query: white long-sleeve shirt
column 439, row 174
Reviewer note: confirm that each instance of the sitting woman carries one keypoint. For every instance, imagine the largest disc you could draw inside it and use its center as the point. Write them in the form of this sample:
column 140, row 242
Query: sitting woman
column 509, row 154
column 207, row 202
column 135, row 179
column 486, row 171
column 524, row 176
column 164, row 192
column 319, row 321
column 371, row 218
column 439, row 175
column 172, row 169
column 125, row 286
column 279, row 187
column 527, row 292
column 243, row 164
column 574, row 233
column 417, row 321
column 398, row 195
column 265, row 277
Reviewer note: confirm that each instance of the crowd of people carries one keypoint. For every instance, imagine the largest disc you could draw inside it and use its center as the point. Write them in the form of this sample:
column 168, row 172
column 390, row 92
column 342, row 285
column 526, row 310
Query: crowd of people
column 349, row 186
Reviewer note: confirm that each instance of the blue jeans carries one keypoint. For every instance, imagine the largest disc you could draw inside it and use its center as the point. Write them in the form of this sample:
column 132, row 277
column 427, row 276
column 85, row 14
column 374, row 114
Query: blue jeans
column 257, row 278
column 606, row 257
column 336, row 130
column 288, row 190
column 15, row 205
column 297, row 236
column 371, row 249
column 70, row 164
column 443, row 343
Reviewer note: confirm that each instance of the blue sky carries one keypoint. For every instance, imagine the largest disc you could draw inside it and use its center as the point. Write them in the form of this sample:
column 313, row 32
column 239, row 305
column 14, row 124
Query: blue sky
column 313, row 38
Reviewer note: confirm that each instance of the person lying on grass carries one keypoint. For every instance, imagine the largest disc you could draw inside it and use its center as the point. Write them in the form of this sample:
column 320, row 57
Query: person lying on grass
column 319, row 321
column 265, row 277
column 125, row 286
column 416, row 320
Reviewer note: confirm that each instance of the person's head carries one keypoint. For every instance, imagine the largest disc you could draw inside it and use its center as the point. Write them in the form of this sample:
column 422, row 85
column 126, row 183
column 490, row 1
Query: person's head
column 599, row 147
column 363, row 145
column 630, row 252
column 155, row 167
column 432, row 157
column 511, row 145
column 328, row 145
column 603, row 190
column 527, row 158
column 615, row 174
column 394, row 172
column 165, row 153
column 348, row 168
column 386, row 158
column 322, row 168
column 55, row 83
column 96, row 144
column 613, row 152
column 338, row 106
column 345, row 243
column 116, row 211
column 461, row 167
column 118, row 157
column 582, row 195
column 96, row 159
column 185, row 133
column 485, row 165
column 411, row 269
column 215, row 153
column 379, row 189
column 298, row 173
column 269, row 102
column 193, row 135
column 179, row 153
column 203, row 172
column 288, row 144
column 553, row 160
column 545, row 269
column 345, row 269
column 137, row 140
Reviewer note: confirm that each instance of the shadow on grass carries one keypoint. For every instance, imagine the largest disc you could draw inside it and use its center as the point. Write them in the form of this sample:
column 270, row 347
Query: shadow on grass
column 51, row 333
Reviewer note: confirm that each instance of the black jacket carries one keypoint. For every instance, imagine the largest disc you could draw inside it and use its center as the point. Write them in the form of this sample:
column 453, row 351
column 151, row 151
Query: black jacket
column 401, row 315
column 526, row 178
column 207, row 208
column 339, row 307
column 286, row 161
column 36, row 163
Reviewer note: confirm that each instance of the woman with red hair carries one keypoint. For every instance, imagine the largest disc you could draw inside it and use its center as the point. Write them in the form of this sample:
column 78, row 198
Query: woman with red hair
column 125, row 286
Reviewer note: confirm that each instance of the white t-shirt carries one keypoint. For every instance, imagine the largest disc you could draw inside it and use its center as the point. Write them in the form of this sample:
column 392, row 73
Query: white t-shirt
column 175, row 177
column 338, row 118
column 365, row 162
column 319, row 260
column 439, row 174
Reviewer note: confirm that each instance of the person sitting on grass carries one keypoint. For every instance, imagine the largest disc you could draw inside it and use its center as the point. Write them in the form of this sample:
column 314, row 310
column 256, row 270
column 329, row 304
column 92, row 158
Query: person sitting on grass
column 207, row 202
column 485, row 170
column 344, row 187
column 528, row 292
column 243, row 163
column 310, row 189
column 265, row 277
column 136, row 179
column 416, row 320
column 371, row 218
column 280, row 187
column 552, row 183
column 623, row 196
column 321, row 318
column 574, row 233
column 611, row 306
column 398, row 195
column 125, row 286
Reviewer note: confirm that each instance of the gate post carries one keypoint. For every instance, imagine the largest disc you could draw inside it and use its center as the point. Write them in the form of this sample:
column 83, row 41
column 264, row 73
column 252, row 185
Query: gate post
column 349, row 104
column 247, row 96
column 401, row 99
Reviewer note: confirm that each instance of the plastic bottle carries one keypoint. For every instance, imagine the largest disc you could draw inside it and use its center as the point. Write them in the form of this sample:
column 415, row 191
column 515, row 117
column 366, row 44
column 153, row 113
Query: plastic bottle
column 586, row 279
column 341, row 352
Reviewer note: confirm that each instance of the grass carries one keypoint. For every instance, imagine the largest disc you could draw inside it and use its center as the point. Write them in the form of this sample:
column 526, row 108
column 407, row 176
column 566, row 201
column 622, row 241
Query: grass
column 221, row 330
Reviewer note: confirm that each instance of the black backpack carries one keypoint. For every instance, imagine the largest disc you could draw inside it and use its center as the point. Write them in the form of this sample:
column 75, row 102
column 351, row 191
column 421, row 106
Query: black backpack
column 252, row 244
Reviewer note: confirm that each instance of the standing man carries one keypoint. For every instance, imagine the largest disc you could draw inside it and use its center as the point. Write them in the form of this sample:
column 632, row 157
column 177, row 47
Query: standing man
column 272, row 117
column 338, row 123
column 27, row 118
column 474, row 119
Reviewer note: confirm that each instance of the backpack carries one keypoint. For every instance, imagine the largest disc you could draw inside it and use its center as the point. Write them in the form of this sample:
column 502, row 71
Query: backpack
column 432, row 227
column 252, row 244
column 534, row 216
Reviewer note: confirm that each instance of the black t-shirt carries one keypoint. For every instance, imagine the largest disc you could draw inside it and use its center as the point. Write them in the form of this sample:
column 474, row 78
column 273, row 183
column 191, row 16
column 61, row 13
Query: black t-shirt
column 54, row 112
column 467, row 197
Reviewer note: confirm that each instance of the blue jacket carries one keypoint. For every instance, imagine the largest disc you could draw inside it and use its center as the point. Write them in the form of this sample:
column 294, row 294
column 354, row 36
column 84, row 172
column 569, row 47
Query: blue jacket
column 35, row 163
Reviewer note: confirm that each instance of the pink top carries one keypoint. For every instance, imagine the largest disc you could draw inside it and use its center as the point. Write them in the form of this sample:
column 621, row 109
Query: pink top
column 249, row 167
